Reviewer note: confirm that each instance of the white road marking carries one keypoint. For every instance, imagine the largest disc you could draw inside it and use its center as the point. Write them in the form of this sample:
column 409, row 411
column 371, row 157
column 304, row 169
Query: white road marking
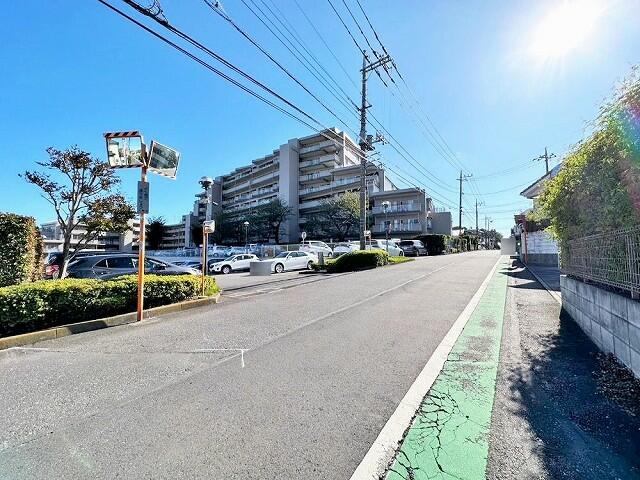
column 375, row 462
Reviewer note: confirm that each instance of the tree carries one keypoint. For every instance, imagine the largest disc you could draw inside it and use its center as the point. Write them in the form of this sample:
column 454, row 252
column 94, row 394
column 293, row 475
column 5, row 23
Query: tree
column 155, row 232
column 598, row 188
column 338, row 217
column 79, row 186
column 266, row 220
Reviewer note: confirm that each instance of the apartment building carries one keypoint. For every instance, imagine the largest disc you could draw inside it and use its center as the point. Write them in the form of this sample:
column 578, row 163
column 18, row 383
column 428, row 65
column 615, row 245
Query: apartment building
column 409, row 212
column 302, row 173
column 124, row 242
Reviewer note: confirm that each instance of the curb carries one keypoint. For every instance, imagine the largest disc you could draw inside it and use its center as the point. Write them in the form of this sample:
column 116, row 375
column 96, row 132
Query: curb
column 89, row 325
column 553, row 293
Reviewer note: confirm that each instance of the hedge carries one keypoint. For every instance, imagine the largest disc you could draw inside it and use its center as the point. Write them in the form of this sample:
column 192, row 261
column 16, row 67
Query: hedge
column 358, row 260
column 20, row 250
column 49, row 303
column 435, row 244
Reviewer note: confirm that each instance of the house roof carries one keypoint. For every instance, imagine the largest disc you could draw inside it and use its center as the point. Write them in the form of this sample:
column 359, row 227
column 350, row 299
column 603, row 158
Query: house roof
column 533, row 190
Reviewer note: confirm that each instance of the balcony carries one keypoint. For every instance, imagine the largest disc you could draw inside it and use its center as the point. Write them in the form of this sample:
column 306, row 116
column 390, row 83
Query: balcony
column 407, row 207
column 327, row 146
column 407, row 227
column 322, row 175
column 325, row 160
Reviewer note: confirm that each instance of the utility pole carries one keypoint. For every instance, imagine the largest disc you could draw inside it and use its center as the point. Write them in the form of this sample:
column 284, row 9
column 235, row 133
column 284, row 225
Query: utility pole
column 546, row 158
column 477, row 231
column 461, row 179
column 365, row 142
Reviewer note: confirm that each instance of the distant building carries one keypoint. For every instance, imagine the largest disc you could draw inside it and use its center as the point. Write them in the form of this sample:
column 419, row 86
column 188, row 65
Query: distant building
column 535, row 246
column 302, row 173
column 108, row 241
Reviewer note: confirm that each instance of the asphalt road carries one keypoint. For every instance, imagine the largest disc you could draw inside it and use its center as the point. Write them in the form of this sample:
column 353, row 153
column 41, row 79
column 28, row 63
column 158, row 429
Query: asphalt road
column 293, row 383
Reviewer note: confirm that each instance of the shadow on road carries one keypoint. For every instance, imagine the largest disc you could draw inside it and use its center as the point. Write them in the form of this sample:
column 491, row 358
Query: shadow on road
column 557, row 410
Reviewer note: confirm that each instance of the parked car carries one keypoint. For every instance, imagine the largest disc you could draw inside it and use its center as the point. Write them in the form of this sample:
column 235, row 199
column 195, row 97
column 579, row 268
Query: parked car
column 393, row 249
column 315, row 246
column 234, row 263
column 114, row 265
column 286, row 261
column 53, row 263
column 345, row 247
column 413, row 248
column 196, row 264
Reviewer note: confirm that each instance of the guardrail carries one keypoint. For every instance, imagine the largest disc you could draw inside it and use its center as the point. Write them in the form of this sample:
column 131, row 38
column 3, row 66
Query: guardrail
column 611, row 259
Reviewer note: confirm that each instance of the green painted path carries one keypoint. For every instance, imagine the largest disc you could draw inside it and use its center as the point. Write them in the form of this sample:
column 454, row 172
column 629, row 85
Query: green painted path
column 448, row 438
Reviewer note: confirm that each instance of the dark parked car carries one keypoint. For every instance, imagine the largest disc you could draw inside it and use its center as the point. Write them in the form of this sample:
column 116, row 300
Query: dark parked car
column 413, row 248
column 53, row 263
column 115, row 265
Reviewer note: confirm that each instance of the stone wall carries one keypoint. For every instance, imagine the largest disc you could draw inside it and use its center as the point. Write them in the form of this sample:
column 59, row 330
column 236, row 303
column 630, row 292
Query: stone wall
column 610, row 320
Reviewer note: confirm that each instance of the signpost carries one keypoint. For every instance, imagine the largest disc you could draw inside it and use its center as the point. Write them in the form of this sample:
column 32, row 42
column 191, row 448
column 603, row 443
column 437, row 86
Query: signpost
column 303, row 235
column 209, row 226
column 127, row 150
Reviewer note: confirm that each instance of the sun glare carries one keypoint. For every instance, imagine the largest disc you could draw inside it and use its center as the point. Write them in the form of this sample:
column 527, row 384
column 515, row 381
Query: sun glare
column 566, row 27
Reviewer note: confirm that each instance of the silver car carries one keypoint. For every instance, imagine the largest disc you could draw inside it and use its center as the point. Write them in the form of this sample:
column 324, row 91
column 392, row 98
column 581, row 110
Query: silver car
column 111, row 266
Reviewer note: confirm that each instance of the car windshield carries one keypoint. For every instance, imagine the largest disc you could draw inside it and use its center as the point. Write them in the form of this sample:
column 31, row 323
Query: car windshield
column 282, row 254
column 406, row 243
column 228, row 259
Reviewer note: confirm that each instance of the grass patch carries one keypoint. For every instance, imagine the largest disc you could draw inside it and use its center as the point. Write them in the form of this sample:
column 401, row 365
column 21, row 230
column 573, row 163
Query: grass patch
column 396, row 260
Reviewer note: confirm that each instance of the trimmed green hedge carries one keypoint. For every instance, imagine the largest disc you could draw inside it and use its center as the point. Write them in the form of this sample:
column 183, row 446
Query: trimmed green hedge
column 20, row 250
column 358, row 260
column 436, row 244
column 44, row 304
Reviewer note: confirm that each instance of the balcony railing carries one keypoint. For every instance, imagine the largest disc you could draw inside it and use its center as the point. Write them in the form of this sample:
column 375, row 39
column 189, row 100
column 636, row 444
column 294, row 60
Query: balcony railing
column 409, row 207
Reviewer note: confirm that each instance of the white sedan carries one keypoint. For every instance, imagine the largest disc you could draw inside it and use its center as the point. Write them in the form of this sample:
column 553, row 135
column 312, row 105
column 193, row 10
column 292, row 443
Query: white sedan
column 394, row 250
column 345, row 247
column 286, row 261
column 234, row 263
column 315, row 247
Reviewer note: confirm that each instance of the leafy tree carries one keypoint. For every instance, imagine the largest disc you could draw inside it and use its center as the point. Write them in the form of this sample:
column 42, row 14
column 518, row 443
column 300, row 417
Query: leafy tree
column 79, row 186
column 266, row 220
column 226, row 228
column 598, row 188
column 338, row 217
column 155, row 232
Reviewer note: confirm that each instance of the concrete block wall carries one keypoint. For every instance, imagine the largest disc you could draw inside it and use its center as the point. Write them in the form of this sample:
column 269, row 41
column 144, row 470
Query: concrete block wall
column 610, row 320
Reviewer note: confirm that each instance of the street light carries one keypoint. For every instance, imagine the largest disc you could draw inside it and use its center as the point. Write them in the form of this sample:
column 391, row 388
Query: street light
column 385, row 207
column 206, row 183
column 246, row 236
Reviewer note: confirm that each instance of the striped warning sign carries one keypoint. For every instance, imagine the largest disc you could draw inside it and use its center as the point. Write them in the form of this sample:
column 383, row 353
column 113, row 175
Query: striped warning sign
column 132, row 133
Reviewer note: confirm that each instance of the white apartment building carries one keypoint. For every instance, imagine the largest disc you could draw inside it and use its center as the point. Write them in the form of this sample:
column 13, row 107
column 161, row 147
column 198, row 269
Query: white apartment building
column 301, row 172
column 124, row 242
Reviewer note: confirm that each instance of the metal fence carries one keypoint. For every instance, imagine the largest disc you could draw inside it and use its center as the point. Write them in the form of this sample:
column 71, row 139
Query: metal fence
column 611, row 259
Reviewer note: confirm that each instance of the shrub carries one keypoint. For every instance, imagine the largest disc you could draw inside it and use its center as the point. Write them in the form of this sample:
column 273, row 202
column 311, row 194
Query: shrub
column 358, row 260
column 20, row 250
column 436, row 244
column 44, row 304
column 598, row 188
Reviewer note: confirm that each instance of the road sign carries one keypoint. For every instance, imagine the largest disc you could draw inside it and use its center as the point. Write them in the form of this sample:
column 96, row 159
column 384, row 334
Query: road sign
column 367, row 233
column 209, row 226
column 143, row 197
column 163, row 160
column 124, row 149
column 303, row 235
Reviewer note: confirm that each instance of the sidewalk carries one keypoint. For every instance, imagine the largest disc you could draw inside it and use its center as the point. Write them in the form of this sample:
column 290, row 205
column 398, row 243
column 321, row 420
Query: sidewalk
column 520, row 397
column 550, row 419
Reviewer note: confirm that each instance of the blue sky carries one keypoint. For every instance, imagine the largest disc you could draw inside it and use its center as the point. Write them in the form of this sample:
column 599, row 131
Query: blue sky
column 73, row 70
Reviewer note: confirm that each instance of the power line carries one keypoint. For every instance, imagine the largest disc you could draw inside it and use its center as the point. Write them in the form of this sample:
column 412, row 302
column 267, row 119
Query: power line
column 326, row 44
column 223, row 75
column 226, row 17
